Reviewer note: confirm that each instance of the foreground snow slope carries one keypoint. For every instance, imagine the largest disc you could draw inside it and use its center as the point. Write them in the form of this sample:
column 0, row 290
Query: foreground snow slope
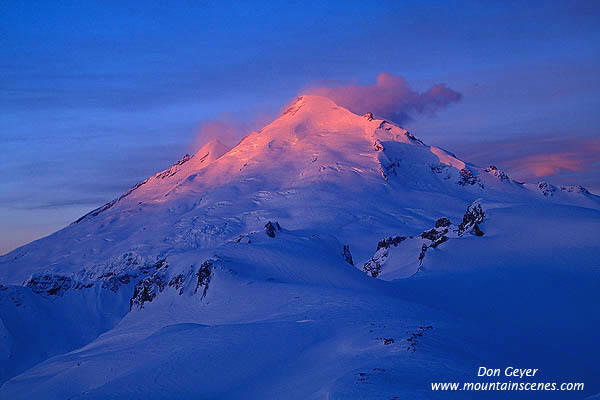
column 248, row 273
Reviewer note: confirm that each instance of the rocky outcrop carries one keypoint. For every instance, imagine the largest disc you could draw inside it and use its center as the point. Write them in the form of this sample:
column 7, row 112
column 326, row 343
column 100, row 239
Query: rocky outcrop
column 439, row 168
column 113, row 276
column 374, row 265
column 178, row 282
column 390, row 241
column 416, row 336
column 148, row 288
column 245, row 238
column 134, row 268
column 429, row 239
column 150, row 279
column 108, row 205
column 433, row 234
column 413, row 138
column 442, row 223
column 203, row 277
column 115, row 282
column 549, row 190
column 471, row 220
column 422, row 253
column 468, row 178
column 575, row 189
column 174, row 168
column 348, row 255
column 493, row 170
column 271, row 228
column 49, row 284
column 476, row 231
column 546, row 188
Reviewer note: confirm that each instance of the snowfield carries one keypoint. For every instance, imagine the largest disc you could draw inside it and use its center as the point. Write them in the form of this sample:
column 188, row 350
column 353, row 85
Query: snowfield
column 327, row 256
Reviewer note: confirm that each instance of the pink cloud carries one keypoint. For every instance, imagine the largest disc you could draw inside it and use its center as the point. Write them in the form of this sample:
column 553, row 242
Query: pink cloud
column 390, row 97
column 225, row 130
column 228, row 129
column 564, row 160
column 551, row 164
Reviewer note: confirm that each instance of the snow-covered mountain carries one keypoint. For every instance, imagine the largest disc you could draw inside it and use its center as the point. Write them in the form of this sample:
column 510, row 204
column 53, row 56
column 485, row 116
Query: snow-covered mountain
column 328, row 255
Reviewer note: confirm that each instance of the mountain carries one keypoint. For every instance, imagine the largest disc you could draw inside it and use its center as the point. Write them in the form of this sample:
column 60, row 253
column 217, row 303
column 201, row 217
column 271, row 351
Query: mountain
column 327, row 255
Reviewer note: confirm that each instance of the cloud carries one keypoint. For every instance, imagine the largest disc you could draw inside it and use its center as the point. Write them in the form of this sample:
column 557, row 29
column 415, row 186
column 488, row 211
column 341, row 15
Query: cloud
column 562, row 160
column 390, row 97
column 225, row 130
column 551, row 164
column 229, row 129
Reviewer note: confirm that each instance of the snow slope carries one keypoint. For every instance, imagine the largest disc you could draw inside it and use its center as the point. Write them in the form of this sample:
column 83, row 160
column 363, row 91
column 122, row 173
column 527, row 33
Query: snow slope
column 275, row 269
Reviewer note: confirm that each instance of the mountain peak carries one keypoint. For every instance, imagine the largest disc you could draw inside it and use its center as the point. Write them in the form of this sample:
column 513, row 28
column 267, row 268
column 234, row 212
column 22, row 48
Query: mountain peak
column 313, row 100
column 314, row 142
column 211, row 150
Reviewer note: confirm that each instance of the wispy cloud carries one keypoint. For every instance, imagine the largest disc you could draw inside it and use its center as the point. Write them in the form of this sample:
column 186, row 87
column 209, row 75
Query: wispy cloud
column 561, row 159
column 551, row 164
column 229, row 129
column 389, row 97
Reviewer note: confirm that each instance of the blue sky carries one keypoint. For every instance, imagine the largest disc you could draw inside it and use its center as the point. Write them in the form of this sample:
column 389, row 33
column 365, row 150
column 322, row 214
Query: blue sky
column 96, row 96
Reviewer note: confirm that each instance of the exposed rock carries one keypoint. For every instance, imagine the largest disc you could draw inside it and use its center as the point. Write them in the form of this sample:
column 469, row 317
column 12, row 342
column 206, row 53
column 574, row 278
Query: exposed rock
column 438, row 169
column 438, row 241
column 430, row 239
column 271, row 228
column 493, row 170
column 373, row 266
column 108, row 205
column 473, row 216
column 160, row 264
column 467, row 178
column 412, row 137
column 442, row 223
column 204, row 275
column 147, row 289
column 415, row 337
column 295, row 107
column 243, row 239
column 387, row 242
column 575, row 189
column 546, row 188
column 433, row 234
column 437, row 235
column 348, row 255
column 178, row 282
column 49, row 285
column 368, row 116
column 174, row 168
column 422, row 254
column 476, row 231
column 115, row 282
